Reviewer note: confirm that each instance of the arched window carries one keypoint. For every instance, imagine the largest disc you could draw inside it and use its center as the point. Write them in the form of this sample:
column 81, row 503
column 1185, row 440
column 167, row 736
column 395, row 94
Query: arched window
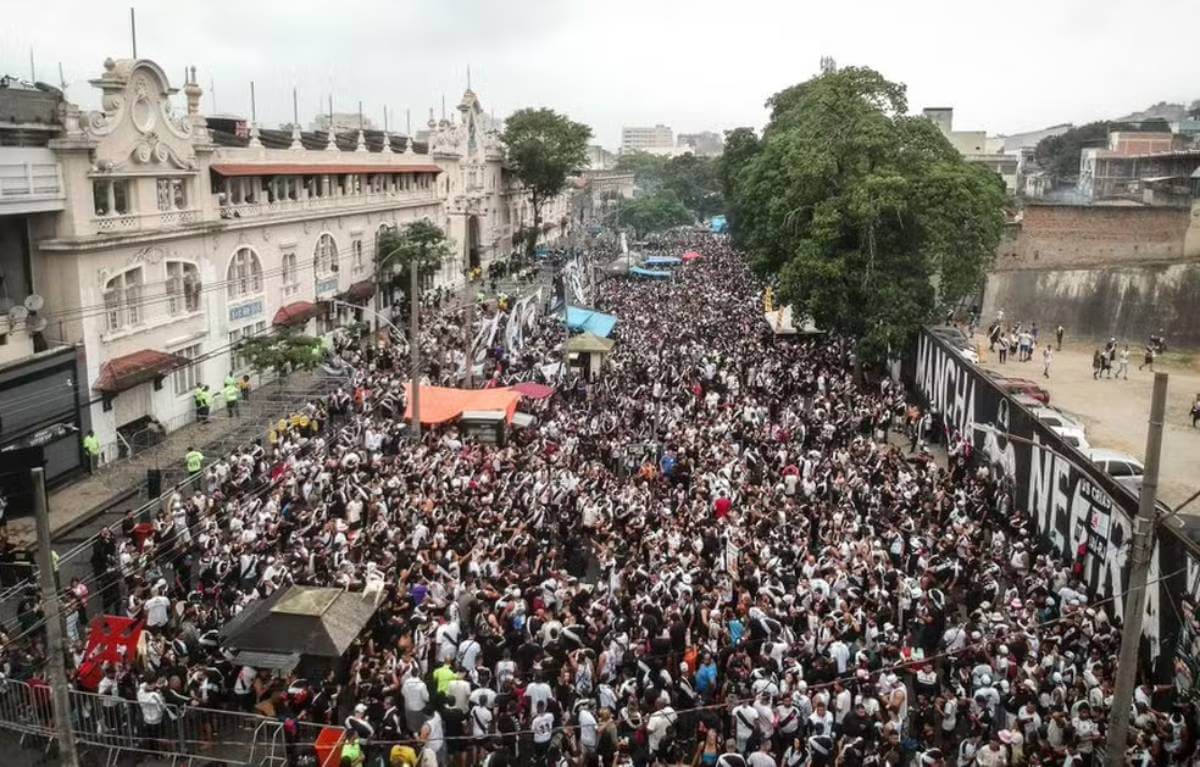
column 123, row 299
column 325, row 255
column 244, row 276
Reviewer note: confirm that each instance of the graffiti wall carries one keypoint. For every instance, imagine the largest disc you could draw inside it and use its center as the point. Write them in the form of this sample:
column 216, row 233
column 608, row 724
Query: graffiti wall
column 1081, row 513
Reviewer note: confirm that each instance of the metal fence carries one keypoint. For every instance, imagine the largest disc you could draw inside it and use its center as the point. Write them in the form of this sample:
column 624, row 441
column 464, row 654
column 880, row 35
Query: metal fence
column 110, row 726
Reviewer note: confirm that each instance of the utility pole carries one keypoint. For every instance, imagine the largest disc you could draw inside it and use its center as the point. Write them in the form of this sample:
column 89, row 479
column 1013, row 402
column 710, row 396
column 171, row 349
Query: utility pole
column 469, row 333
column 1135, row 597
column 59, row 686
column 415, row 347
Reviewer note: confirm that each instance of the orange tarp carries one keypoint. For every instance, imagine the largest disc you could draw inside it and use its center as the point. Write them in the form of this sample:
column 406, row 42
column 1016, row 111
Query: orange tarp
column 440, row 404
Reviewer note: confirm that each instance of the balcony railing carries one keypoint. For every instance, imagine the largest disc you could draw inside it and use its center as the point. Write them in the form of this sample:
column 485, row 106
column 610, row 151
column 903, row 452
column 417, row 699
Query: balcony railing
column 285, row 207
column 134, row 222
column 30, row 180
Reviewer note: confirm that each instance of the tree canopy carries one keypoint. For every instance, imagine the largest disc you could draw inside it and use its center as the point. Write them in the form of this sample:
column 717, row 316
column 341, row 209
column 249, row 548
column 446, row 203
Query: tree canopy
column 653, row 212
column 421, row 243
column 281, row 352
column 693, row 181
column 869, row 219
column 544, row 147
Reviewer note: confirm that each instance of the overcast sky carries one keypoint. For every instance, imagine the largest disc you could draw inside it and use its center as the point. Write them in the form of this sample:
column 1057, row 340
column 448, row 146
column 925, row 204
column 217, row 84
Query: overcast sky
column 700, row 65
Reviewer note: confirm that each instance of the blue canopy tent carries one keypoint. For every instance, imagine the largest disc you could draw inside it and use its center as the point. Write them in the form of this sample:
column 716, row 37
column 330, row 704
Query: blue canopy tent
column 663, row 261
column 718, row 225
column 653, row 274
column 590, row 321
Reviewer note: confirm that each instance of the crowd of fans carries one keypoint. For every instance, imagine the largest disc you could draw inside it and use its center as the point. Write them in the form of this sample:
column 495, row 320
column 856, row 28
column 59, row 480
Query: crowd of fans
column 710, row 555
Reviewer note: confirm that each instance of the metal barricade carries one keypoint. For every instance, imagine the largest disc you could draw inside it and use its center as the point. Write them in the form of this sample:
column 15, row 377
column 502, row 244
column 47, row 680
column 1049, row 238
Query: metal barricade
column 110, row 725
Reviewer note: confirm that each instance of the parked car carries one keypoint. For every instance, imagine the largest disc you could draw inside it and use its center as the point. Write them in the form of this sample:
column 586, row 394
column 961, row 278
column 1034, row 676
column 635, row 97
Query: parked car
column 1023, row 386
column 1063, row 425
column 1120, row 466
column 1072, row 437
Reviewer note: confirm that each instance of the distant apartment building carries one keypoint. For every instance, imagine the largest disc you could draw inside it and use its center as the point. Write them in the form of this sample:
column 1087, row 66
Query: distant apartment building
column 703, row 144
column 600, row 158
column 645, row 139
column 977, row 148
column 1150, row 167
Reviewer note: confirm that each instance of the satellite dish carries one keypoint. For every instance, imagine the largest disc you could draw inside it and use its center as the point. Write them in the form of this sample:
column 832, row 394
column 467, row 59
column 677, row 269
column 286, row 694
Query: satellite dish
column 34, row 302
column 39, row 324
column 18, row 313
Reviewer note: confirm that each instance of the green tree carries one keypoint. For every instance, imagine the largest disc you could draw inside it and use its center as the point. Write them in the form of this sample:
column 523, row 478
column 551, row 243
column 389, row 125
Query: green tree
column 870, row 219
column 421, row 243
column 741, row 146
column 281, row 352
column 647, row 169
column 544, row 147
column 696, row 182
column 653, row 213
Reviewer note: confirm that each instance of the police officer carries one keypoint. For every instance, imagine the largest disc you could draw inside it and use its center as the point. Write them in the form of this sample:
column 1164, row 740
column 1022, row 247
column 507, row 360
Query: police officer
column 232, row 394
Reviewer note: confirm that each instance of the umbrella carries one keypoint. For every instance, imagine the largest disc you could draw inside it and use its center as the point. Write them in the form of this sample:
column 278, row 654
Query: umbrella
column 533, row 390
column 691, row 255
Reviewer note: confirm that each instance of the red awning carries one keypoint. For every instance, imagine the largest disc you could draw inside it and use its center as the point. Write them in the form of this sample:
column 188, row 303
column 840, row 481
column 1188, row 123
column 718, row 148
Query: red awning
column 126, row 372
column 296, row 313
column 533, row 390
column 360, row 291
column 310, row 169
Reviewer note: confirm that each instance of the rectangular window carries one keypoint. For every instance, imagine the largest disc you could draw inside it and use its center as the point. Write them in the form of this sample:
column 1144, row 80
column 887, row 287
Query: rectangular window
column 110, row 198
column 186, row 377
column 291, row 276
column 133, row 296
column 183, row 288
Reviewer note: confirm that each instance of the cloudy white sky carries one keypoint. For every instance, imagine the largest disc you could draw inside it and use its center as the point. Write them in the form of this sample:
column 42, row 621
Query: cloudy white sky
column 1005, row 67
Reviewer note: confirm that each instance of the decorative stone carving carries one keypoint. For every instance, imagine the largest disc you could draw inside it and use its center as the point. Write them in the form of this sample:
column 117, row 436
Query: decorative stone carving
column 148, row 255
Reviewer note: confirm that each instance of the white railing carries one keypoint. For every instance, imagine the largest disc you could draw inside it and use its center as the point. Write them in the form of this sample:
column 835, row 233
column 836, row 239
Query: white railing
column 285, row 207
column 29, row 174
column 133, row 222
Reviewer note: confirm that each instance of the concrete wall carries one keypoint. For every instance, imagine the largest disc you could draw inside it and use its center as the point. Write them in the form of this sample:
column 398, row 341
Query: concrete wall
column 1100, row 271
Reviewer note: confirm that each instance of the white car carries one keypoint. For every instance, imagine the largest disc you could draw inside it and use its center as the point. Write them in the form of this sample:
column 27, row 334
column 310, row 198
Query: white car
column 1070, row 430
column 1120, row 466
column 1072, row 437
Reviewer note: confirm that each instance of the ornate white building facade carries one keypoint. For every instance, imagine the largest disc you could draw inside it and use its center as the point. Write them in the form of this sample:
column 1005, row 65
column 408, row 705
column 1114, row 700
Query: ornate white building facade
column 171, row 247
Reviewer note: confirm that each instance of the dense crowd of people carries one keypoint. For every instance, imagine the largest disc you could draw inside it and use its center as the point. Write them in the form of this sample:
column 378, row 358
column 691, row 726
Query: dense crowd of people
column 710, row 555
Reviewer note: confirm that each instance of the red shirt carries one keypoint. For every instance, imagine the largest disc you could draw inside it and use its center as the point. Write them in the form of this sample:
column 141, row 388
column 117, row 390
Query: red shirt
column 722, row 507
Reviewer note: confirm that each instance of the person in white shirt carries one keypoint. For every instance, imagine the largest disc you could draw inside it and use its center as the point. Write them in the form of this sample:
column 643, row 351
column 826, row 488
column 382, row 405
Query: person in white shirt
column 656, row 729
column 538, row 693
column 762, row 757
column 542, row 726
column 153, row 707
column 745, row 718
column 416, row 697
column 158, row 611
column 433, row 735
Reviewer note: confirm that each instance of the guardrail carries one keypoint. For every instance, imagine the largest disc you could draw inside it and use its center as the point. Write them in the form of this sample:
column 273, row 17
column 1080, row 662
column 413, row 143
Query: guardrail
column 106, row 723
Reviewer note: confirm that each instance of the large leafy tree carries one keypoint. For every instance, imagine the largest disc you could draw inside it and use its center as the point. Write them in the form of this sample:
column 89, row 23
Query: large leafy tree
column 544, row 147
column 653, row 213
column 694, row 181
column 870, row 219
column 420, row 244
column 741, row 146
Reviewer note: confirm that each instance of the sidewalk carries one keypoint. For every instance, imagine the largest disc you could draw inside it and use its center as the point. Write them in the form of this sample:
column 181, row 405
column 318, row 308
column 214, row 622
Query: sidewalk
column 82, row 500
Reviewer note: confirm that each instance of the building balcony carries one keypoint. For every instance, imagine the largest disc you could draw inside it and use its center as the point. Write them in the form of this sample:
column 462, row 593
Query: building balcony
column 289, row 207
column 136, row 222
column 30, row 181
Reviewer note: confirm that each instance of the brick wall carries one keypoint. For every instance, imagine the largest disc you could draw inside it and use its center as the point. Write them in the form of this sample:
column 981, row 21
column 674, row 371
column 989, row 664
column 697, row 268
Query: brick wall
column 1075, row 236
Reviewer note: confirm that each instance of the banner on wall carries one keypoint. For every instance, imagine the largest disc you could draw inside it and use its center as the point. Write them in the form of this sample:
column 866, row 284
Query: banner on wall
column 1080, row 512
